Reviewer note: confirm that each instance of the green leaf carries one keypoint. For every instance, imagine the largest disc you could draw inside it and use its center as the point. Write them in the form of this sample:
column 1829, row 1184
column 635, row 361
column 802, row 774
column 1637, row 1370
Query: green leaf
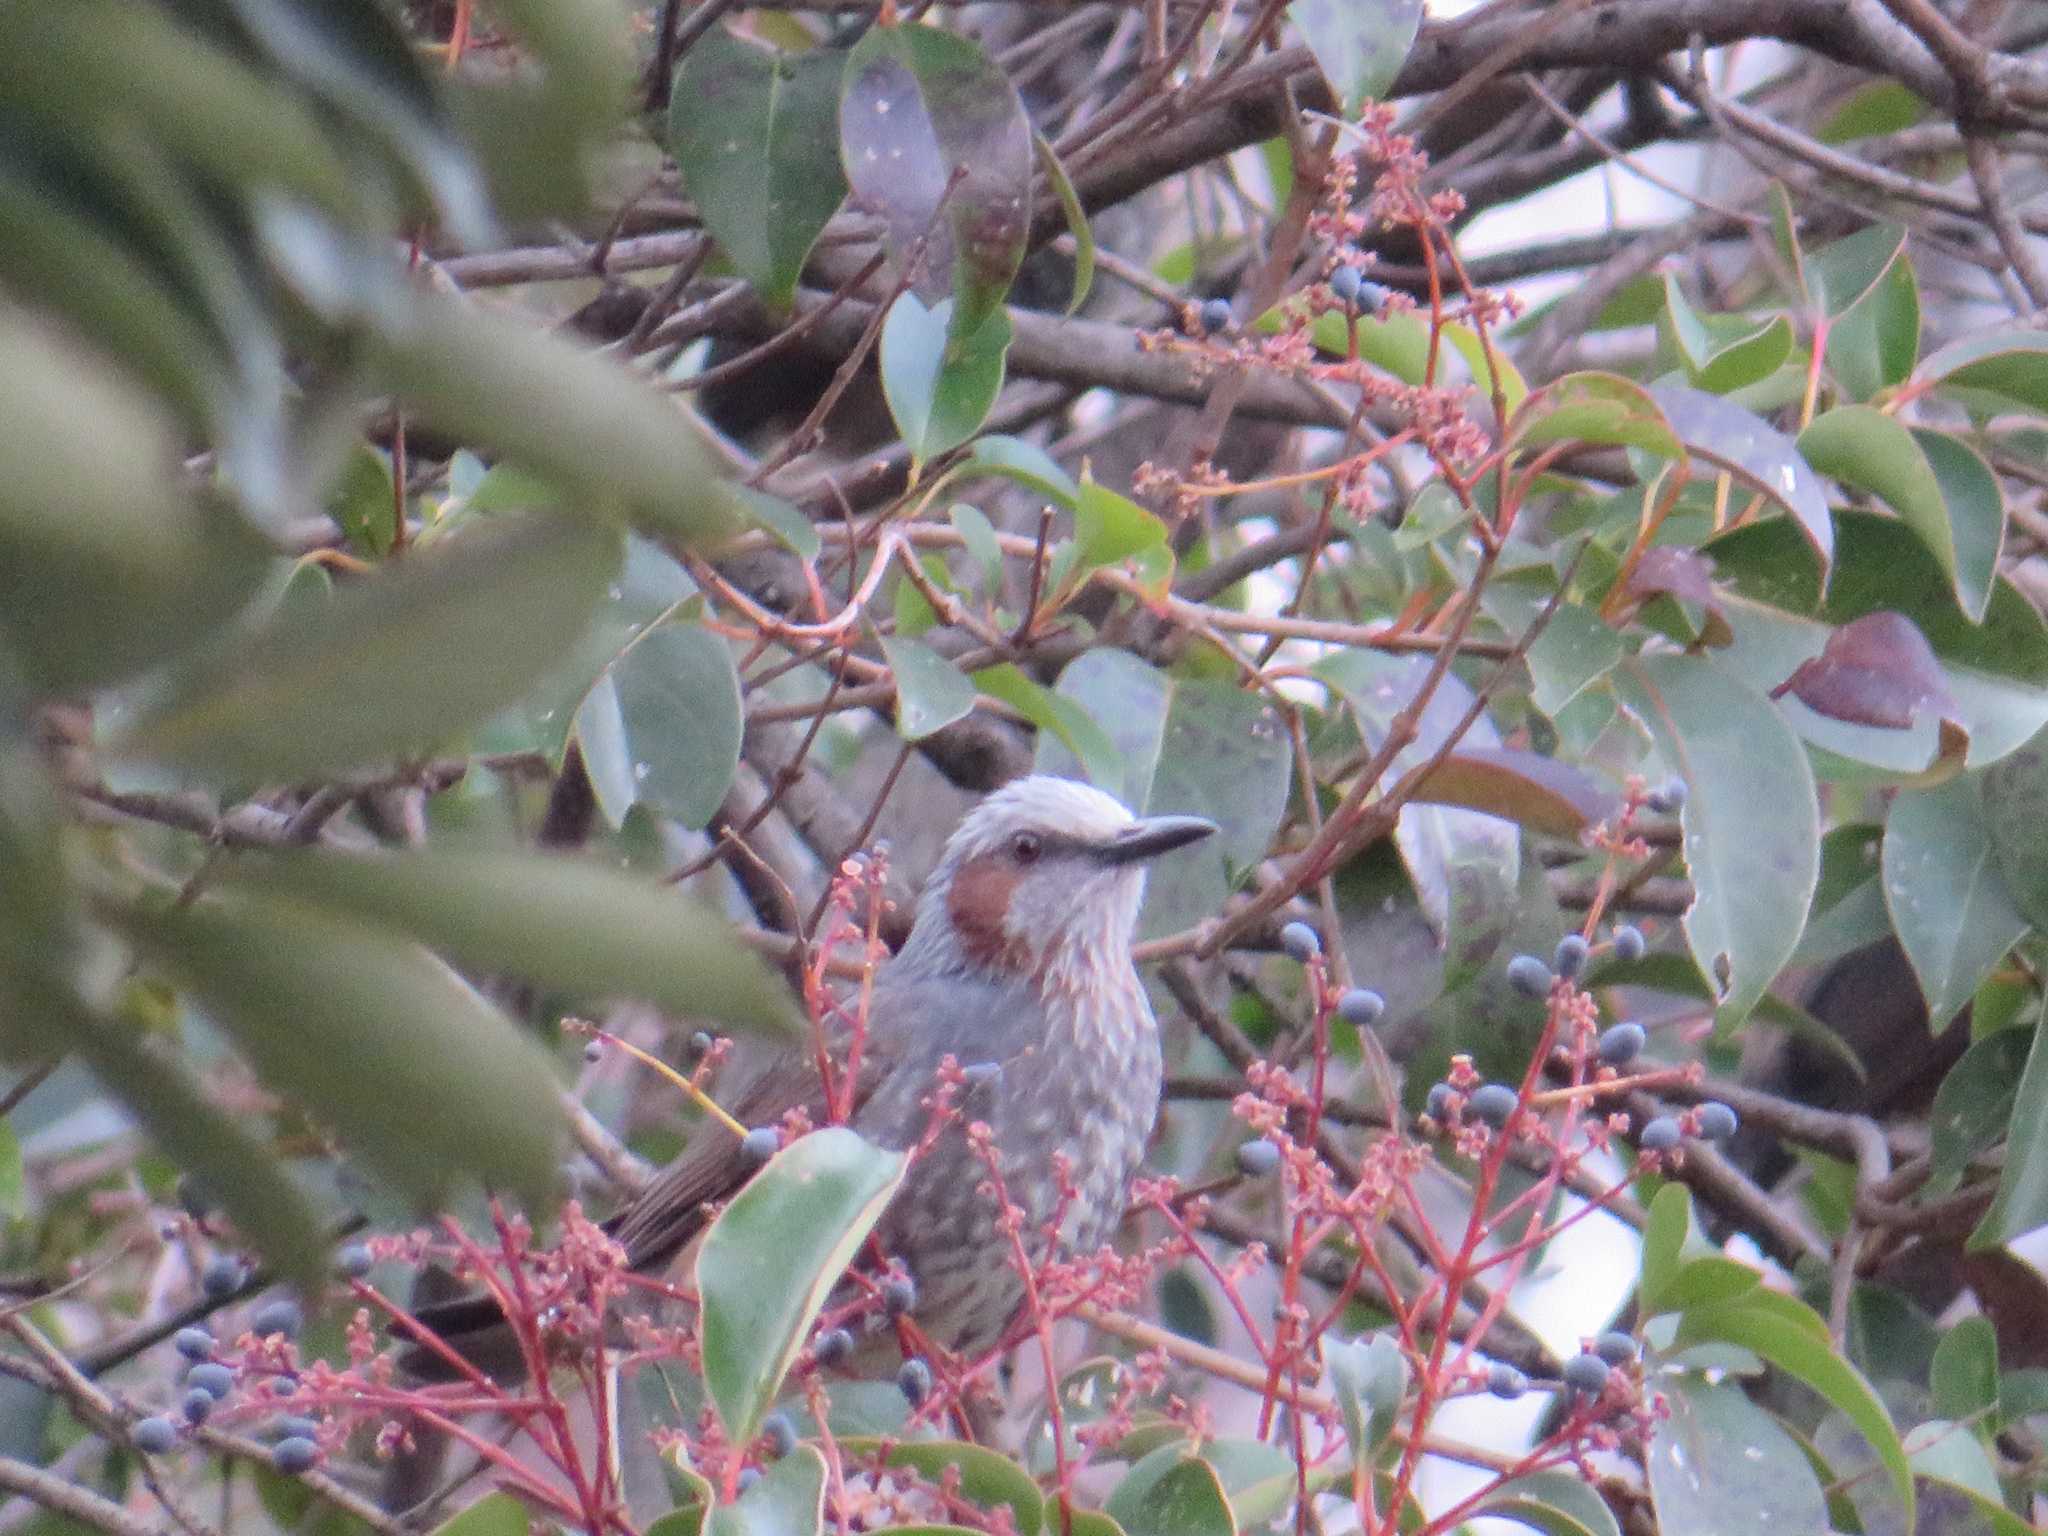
column 1556, row 1503
column 936, row 141
column 1975, row 504
column 1709, row 1280
column 1879, row 107
column 1964, row 1375
column 2022, row 1201
column 495, row 1514
column 1027, row 464
column 1946, row 896
column 939, row 388
column 423, row 1078
column 769, row 1260
column 931, row 693
column 1368, row 1377
column 1792, row 1338
column 580, row 926
column 1359, row 45
column 1873, row 346
column 1749, row 359
column 577, row 419
column 989, row 1478
column 1076, row 217
column 755, row 135
column 789, row 1500
column 978, row 538
column 1464, row 865
column 1955, row 1461
column 2009, row 363
column 361, row 501
column 1693, row 1459
column 1757, row 454
column 1171, row 1493
column 2015, row 811
column 1068, row 723
column 798, row 533
column 1110, row 528
column 1666, row 1235
column 1576, row 649
column 1186, row 746
column 662, row 726
column 1840, row 275
column 1997, row 671
column 1751, row 820
column 1594, row 408
column 448, row 635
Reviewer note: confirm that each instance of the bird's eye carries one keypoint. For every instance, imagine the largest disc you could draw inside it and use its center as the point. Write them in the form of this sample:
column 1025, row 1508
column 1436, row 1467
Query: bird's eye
column 1025, row 847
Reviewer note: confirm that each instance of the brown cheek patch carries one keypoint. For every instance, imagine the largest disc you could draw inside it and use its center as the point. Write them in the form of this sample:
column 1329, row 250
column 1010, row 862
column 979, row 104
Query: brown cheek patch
column 978, row 901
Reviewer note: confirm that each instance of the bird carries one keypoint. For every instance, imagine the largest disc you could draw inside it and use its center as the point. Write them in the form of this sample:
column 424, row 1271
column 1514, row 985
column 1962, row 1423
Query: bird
column 1018, row 968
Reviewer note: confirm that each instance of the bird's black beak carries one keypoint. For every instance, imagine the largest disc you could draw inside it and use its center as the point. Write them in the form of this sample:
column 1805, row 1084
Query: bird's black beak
column 1153, row 836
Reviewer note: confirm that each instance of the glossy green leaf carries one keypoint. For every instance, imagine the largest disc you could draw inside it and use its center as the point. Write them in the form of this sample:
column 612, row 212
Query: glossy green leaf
column 1576, row 649
column 577, row 419
column 1368, row 1377
column 1964, row 1376
column 1881, row 106
column 1997, row 671
column 1666, row 1236
column 106, row 565
column 1709, row 1280
column 1186, row 746
column 2012, row 364
column 789, row 1500
column 495, row 1514
column 1594, row 408
column 1556, row 1503
column 768, row 1261
column 1171, row 1493
column 1359, row 45
column 1792, row 1338
column 1841, row 274
column 583, row 927
column 1749, row 359
column 423, row 1079
column 1027, row 464
column 1463, row 864
column 989, row 1478
column 361, row 502
column 1975, row 1104
column 1751, row 819
column 2022, row 1201
column 1950, row 1457
column 978, row 538
column 799, row 535
column 940, row 389
column 1067, row 722
column 931, row 692
column 1693, row 1462
column 1976, row 516
column 449, row 634
column 1947, row 898
column 1874, row 345
column 662, row 726
column 936, row 141
column 2015, row 811
column 1110, row 528
column 755, row 135
column 1757, row 454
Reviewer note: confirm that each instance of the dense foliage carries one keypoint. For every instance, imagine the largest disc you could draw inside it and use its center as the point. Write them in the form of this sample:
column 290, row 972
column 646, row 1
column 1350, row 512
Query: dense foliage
column 508, row 510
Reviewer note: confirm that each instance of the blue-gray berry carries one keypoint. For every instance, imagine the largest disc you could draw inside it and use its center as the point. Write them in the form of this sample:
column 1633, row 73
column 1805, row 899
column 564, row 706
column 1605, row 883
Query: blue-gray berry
column 1345, row 284
column 834, row 1347
column 154, row 1435
column 223, row 1275
column 295, row 1427
column 295, row 1454
column 760, row 1144
column 1661, row 1134
column 1616, row 1348
column 1301, row 942
column 1258, row 1158
column 1494, row 1103
column 1586, row 1373
column 193, row 1343
column 1361, row 1007
column 914, row 1380
column 983, row 1074
column 1438, row 1105
column 281, row 1315
column 197, row 1404
column 1570, row 956
column 780, row 1433
column 1622, row 1044
column 700, row 1043
column 1629, row 943
column 1504, row 1381
column 747, row 1478
column 1667, row 797
column 216, row 1381
column 1528, row 975
column 594, row 1051
column 899, row 1295
column 1717, row 1121
column 1216, row 316
column 356, row 1260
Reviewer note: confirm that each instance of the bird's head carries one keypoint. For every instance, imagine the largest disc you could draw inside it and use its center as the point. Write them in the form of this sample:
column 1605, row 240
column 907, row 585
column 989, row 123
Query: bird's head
column 1041, row 883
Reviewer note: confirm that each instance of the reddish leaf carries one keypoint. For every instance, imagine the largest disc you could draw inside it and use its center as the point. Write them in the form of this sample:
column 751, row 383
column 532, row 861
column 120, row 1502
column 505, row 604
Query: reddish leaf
column 1878, row 670
column 1537, row 792
column 1682, row 573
